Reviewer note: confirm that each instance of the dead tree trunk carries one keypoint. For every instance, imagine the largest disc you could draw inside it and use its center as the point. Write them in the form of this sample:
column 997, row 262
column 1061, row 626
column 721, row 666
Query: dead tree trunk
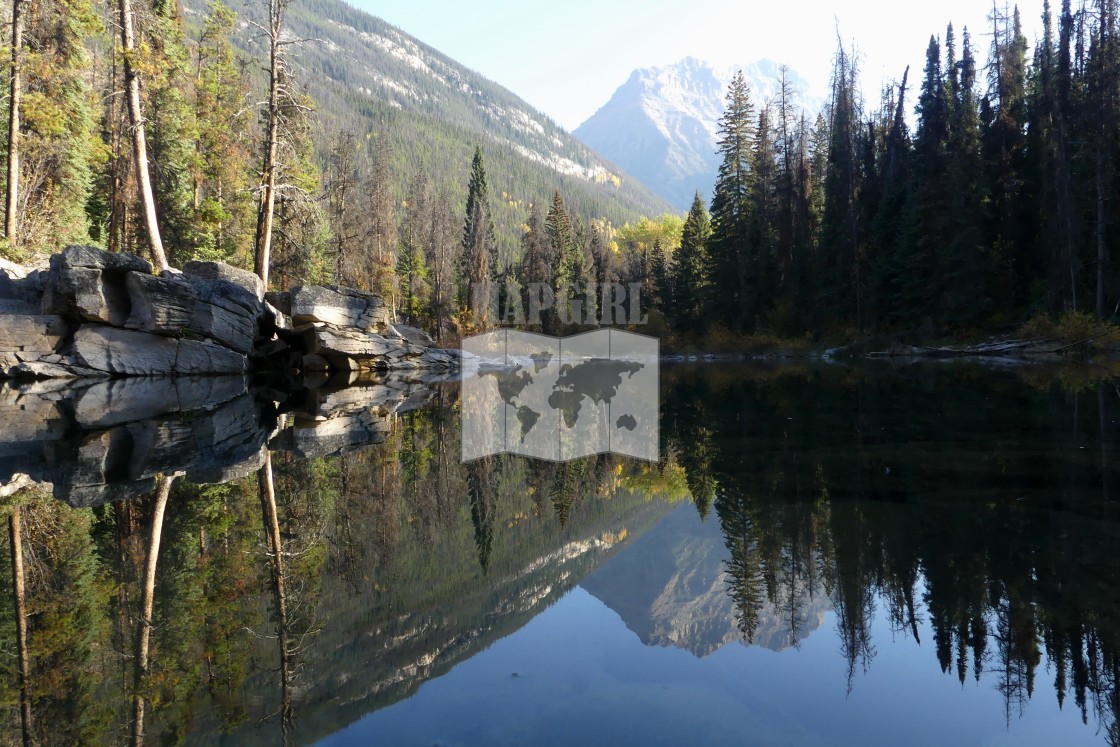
column 263, row 244
column 20, row 601
column 11, row 203
column 276, row 564
column 139, row 140
column 147, row 601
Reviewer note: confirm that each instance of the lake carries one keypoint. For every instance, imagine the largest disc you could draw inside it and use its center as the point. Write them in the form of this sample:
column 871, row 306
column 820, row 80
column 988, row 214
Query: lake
column 826, row 554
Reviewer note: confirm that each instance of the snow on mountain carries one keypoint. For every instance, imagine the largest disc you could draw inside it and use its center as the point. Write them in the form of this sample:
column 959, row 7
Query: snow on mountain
column 661, row 124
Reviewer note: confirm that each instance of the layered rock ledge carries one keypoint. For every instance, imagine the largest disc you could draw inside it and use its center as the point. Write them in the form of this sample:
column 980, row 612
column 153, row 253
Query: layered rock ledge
column 96, row 314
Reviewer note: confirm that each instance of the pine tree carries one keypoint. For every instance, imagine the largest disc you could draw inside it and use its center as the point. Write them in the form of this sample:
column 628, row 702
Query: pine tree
column 841, row 280
column 478, row 256
column 441, row 260
column 691, row 289
column 15, row 92
column 58, row 144
column 762, row 282
column 662, row 278
column 891, row 229
column 929, row 205
column 415, row 231
column 564, row 251
column 730, row 213
column 171, row 130
column 1003, row 146
column 964, row 271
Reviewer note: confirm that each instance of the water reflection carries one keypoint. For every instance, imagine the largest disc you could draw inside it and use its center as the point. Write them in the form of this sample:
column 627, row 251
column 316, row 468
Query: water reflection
column 351, row 557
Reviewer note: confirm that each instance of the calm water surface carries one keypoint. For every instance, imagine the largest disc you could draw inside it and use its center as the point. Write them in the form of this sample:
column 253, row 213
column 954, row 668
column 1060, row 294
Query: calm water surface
column 869, row 555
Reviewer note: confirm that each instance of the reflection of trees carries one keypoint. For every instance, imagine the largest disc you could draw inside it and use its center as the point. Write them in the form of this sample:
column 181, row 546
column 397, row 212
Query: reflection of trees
column 19, row 603
column 744, row 567
column 915, row 498
column 147, row 602
column 275, row 548
column 480, row 493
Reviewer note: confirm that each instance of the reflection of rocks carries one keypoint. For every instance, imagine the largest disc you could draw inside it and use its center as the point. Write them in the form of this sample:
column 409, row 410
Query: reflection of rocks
column 99, row 441
column 670, row 588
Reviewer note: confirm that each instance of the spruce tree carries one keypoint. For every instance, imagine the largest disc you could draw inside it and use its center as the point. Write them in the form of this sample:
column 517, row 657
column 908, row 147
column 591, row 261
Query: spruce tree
column 691, row 289
column 478, row 249
column 762, row 273
column 841, row 282
column 730, row 213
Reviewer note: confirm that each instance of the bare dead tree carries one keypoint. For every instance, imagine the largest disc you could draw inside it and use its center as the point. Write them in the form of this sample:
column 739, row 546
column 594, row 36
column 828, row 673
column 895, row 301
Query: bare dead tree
column 11, row 202
column 147, row 601
column 20, row 602
column 139, row 139
column 262, row 247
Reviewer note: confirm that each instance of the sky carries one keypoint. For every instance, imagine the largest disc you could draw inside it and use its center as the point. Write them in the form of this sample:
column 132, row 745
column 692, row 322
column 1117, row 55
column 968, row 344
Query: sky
column 567, row 58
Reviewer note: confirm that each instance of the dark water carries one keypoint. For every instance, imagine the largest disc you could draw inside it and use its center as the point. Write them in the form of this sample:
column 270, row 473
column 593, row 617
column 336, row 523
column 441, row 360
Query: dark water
column 826, row 555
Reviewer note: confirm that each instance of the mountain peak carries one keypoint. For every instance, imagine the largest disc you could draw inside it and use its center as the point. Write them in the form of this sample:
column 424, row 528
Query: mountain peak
column 661, row 124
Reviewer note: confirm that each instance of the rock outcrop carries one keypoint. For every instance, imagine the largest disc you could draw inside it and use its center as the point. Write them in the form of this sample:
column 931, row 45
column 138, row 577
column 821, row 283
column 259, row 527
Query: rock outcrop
column 97, row 314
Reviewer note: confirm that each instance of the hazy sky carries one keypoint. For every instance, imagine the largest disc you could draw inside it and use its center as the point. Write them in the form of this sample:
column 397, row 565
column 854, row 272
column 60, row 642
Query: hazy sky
column 567, row 58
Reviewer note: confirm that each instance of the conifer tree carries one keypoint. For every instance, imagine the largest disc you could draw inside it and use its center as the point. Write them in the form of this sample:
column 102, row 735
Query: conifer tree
column 762, row 278
column 478, row 255
column 841, row 280
column 691, row 289
column 730, row 213
column 412, row 270
column 662, row 278
column 963, row 269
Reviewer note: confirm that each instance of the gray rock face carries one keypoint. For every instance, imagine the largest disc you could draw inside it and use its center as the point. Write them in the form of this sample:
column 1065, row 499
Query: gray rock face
column 159, row 305
column 85, row 283
column 125, row 352
column 343, row 307
column 221, row 271
column 332, row 340
column 130, row 353
column 21, row 290
column 280, row 300
column 37, row 334
column 225, row 313
column 415, row 335
column 91, row 257
column 96, row 295
column 201, row 358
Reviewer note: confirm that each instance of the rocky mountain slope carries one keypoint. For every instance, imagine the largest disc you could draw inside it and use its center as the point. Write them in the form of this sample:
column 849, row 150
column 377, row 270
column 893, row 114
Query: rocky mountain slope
column 368, row 77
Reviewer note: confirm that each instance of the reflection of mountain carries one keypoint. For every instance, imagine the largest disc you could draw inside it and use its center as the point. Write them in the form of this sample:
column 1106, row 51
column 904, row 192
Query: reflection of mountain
column 435, row 608
column 670, row 588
